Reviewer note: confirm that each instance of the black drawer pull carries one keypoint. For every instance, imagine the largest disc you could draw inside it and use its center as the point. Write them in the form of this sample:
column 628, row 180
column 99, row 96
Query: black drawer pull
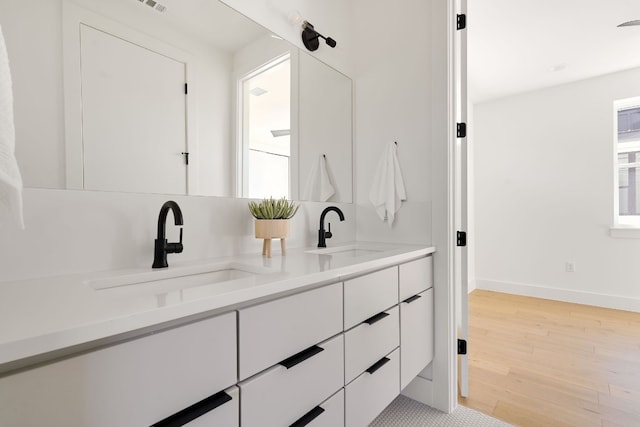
column 412, row 299
column 301, row 357
column 373, row 319
column 379, row 364
column 308, row 417
column 194, row 411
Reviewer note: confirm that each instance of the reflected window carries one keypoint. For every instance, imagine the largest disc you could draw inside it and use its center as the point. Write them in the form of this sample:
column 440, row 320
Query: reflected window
column 265, row 130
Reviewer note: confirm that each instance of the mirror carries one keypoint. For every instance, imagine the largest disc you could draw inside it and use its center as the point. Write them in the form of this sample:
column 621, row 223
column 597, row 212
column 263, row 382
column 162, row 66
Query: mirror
column 173, row 97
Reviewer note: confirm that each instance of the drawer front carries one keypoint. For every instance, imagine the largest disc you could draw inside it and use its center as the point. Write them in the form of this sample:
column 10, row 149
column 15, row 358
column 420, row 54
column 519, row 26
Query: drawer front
column 368, row 395
column 280, row 396
column 275, row 330
column 368, row 295
column 416, row 336
column 367, row 343
column 329, row 413
column 415, row 277
column 135, row 383
column 227, row 414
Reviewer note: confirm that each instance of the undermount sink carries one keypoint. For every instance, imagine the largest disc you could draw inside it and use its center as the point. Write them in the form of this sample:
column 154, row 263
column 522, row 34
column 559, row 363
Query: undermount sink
column 180, row 277
column 347, row 250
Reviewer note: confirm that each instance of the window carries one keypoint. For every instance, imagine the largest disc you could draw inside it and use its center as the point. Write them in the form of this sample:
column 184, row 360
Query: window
column 627, row 150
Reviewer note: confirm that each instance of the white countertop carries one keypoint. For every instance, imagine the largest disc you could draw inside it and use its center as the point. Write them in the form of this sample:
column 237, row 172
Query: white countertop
column 45, row 318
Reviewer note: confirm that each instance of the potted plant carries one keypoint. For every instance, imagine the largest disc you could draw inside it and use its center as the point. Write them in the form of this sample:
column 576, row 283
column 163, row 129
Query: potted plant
column 272, row 221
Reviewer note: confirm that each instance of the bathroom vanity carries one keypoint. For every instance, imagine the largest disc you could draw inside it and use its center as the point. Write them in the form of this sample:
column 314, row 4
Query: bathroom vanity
column 320, row 337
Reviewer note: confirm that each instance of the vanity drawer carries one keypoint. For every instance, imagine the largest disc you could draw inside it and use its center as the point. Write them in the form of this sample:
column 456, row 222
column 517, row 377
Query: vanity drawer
column 279, row 396
column 368, row 295
column 416, row 337
column 271, row 332
column 136, row 383
column 225, row 413
column 415, row 277
column 329, row 413
column 368, row 395
column 368, row 342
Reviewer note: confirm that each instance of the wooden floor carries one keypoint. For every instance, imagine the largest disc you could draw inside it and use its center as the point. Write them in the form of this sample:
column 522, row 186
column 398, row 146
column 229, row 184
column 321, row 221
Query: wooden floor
column 535, row 362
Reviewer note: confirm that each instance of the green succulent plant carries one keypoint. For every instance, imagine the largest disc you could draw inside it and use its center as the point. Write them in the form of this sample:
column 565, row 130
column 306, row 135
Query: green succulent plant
column 273, row 209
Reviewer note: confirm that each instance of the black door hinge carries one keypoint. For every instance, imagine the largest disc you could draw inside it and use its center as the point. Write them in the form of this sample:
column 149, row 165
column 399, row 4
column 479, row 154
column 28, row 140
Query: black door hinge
column 461, row 130
column 461, row 22
column 461, row 238
column 186, row 157
column 462, row 346
column 186, row 88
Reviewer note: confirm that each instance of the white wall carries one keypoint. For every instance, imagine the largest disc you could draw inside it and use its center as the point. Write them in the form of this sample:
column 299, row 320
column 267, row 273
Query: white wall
column 71, row 232
column 544, row 195
column 393, row 103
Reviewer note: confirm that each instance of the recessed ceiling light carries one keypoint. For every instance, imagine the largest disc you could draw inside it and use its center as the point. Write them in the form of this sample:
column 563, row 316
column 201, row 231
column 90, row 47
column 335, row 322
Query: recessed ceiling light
column 558, row 67
column 257, row 91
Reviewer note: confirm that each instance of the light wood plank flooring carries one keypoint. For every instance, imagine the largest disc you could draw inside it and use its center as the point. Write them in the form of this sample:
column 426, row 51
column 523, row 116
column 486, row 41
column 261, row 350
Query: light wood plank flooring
column 535, row 362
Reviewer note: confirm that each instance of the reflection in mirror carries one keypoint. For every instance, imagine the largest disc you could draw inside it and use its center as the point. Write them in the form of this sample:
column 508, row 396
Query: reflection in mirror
column 100, row 101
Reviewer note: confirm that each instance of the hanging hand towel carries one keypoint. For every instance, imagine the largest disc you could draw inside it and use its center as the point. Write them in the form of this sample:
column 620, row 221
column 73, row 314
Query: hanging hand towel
column 10, row 180
column 319, row 187
column 387, row 189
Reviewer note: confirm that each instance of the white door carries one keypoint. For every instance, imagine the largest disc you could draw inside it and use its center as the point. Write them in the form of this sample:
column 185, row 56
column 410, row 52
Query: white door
column 460, row 259
column 133, row 116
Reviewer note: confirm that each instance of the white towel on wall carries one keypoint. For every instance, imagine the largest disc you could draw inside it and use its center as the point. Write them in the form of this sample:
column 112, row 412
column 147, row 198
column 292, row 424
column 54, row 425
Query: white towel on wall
column 387, row 189
column 319, row 186
column 10, row 179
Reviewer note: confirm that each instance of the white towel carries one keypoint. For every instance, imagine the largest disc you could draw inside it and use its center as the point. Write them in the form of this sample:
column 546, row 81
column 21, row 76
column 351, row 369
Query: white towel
column 387, row 189
column 319, row 186
column 10, row 180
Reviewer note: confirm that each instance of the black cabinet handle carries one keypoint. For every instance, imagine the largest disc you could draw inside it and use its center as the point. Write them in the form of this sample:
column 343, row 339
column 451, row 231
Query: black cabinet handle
column 412, row 299
column 308, row 417
column 301, row 357
column 194, row 411
column 379, row 364
column 373, row 319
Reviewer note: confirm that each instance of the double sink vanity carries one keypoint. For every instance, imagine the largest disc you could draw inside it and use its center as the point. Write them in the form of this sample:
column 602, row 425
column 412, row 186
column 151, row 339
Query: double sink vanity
column 320, row 337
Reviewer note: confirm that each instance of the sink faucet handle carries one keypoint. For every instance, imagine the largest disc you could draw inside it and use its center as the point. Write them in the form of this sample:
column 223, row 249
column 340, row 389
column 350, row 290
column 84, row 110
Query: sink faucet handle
column 175, row 248
column 328, row 234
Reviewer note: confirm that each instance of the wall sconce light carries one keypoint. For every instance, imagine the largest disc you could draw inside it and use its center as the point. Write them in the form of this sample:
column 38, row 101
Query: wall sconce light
column 310, row 37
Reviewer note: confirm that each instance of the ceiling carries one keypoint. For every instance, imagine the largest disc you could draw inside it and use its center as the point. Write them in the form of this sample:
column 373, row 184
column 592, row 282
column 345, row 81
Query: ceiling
column 517, row 46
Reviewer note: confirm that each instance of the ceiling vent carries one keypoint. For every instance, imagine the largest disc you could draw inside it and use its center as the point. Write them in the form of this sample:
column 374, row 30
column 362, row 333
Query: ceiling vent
column 154, row 5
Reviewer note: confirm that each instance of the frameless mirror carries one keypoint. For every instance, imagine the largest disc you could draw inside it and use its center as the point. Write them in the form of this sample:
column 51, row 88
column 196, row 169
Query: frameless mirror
column 173, row 97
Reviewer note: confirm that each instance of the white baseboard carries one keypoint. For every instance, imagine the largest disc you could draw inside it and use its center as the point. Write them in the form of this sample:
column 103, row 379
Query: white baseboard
column 420, row 389
column 578, row 297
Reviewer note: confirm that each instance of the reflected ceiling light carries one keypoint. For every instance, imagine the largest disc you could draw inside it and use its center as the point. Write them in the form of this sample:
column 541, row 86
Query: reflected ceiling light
column 280, row 132
column 258, row 91
column 630, row 23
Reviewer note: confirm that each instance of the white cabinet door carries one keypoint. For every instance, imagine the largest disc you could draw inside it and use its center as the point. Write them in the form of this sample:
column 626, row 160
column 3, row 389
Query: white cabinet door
column 365, row 344
column 282, row 394
column 368, row 295
column 416, row 336
column 415, row 277
column 135, row 383
column 372, row 391
column 273, row 331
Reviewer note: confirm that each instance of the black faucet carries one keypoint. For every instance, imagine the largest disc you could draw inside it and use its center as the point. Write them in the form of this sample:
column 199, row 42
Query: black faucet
column 162, row 247
column 323, row 235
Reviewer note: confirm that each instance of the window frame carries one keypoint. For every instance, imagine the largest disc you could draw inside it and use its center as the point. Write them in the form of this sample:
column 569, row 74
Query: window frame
column 632, row 145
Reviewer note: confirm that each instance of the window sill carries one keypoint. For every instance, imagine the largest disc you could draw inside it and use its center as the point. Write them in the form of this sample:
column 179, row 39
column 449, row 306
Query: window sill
column 625, row 232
